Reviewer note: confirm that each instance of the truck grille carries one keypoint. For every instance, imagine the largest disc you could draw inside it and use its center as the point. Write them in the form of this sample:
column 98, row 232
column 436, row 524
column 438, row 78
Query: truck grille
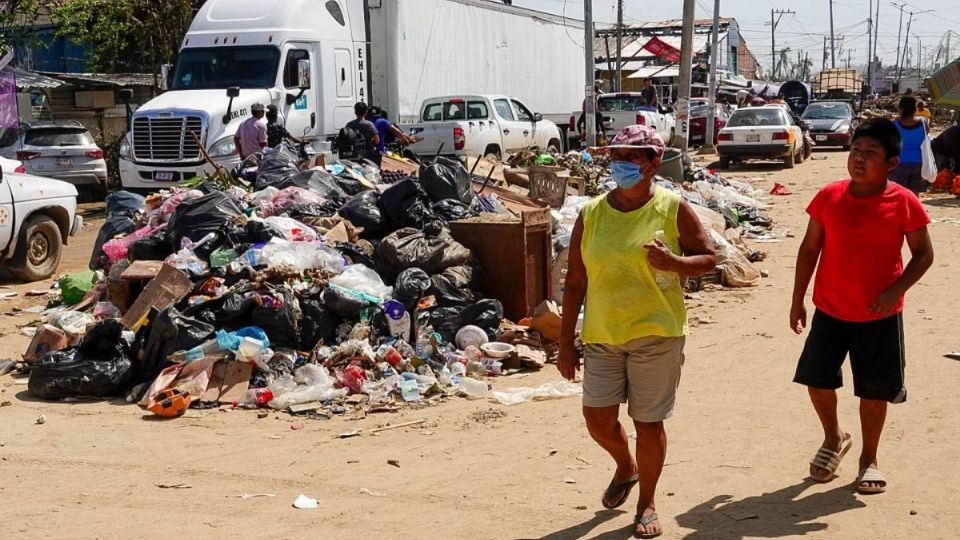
column 166, row 139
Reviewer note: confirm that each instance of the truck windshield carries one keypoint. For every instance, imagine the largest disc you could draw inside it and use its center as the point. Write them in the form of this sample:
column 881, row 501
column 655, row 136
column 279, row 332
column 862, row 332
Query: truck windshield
column 620, row 102
column 246, row 67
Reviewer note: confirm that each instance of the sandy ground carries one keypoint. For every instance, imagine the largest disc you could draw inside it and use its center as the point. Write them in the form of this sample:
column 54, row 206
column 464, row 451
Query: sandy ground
column 739, row 442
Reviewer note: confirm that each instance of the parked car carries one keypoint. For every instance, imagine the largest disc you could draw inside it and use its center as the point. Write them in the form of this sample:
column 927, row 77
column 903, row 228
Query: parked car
column 698, row 120
column 63, row 151
column 11, row 165
column 623, row 109
column 37, row 217
column 767, row 132
column 480, row 125
column 831, row 123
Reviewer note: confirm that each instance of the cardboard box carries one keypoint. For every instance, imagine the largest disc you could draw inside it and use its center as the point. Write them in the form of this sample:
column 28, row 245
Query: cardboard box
column 168, row 288
column 229, row 381
column 547, row 320
column 48, row 338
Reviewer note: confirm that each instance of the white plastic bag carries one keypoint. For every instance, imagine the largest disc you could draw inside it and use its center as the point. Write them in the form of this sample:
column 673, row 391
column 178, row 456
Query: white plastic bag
column 929, row 170
column 550, row 390
column 358, row 277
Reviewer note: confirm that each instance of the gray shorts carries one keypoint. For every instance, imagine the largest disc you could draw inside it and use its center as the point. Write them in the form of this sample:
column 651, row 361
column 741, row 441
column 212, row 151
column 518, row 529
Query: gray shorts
column 644, row 373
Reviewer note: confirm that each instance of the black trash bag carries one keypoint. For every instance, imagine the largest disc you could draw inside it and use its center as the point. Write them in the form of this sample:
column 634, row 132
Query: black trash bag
column 486, row 314
column 258, row 232
column 196, row 218
column 98, row 366
column 452, row 287
column 343, row 303
column 451, row 210
column 228, row 312
column 168, row 332
column 350, row 185
column 277, row 166
column 356, row 254
column 150, row 248
column 303, row 212
column 396, row 200
column 362, row 211
column 410, row 248
column 446, row 321
column 121, row 208
column 320, row 182
column 447, row 179
column 281, row 325
column 317, row 324
column 410, row 287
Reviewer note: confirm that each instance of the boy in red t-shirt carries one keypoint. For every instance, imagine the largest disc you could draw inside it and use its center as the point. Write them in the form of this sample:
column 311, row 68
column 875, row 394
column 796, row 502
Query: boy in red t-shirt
column 856, row 230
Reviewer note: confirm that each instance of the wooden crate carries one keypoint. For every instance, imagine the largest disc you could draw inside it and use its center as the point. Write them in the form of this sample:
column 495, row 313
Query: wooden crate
column 515, row 255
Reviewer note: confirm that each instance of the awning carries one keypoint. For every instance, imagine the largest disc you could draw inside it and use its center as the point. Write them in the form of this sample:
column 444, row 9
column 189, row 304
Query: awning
column 655, row 71
column 111, row 79
column 944, row 84
column 663, row 50
column 28, row 80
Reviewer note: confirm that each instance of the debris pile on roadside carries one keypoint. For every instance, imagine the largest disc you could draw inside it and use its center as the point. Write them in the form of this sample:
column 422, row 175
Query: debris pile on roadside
column 320, row 290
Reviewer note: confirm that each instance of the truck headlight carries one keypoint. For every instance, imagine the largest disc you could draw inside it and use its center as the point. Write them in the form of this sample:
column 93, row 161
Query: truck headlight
column 125, row 147
column 844, row 128
column 223, row 147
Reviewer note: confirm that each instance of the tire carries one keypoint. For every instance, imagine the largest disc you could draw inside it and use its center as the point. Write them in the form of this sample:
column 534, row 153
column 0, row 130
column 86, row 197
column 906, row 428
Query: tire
column 493, row 150
column 724, row 162
column 788, row 160
column 554, row 146
column 802, row 154
column 39, row 249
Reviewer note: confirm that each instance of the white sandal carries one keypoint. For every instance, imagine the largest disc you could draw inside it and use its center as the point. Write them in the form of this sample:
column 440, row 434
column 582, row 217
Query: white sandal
column 829, row 460
column 874, row 476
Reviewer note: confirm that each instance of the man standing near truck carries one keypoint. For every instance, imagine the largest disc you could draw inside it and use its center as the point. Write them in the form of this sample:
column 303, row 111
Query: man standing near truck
column 649, row 94
column 360, row 129
column 251, row 136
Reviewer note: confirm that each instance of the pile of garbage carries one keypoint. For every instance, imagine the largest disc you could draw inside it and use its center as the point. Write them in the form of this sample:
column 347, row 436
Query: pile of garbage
column 315, row 289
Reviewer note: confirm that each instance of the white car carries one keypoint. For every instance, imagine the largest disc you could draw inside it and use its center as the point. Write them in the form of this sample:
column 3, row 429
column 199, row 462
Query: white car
column 63, row 151
column 11, row 165
column 767, row 132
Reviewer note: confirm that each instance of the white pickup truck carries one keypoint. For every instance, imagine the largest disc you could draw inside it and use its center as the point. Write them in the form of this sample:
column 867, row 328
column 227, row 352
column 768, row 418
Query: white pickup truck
column 626, row 109
column 480, row 125
column 37, row 215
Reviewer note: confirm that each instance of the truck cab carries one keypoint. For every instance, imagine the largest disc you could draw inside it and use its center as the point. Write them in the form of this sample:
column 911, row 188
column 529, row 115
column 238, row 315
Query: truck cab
column 307, row 57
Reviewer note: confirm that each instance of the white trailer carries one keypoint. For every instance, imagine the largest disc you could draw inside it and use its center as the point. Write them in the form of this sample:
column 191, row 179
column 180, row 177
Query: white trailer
column 315, row 58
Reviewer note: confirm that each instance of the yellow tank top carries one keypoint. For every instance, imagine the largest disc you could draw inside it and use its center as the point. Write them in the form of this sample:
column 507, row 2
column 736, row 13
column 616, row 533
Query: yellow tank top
column 624, row 301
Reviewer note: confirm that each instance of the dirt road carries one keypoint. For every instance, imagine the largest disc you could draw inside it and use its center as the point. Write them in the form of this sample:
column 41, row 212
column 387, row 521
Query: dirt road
column 739, row 442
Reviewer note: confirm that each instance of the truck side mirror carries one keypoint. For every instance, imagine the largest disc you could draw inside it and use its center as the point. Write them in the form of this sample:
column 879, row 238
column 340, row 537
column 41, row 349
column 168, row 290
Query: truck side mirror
column 537, row 117
column 303, row 74
column 232, row 92
column 126, row 96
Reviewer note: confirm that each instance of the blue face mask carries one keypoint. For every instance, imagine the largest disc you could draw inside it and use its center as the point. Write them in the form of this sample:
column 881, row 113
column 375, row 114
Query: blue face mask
column 626, row 174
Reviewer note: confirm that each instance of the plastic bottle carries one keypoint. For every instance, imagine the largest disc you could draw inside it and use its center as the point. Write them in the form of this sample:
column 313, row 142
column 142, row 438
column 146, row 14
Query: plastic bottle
column 664, row 279
column 472, row 388
column 256, row 397
column 476, row 369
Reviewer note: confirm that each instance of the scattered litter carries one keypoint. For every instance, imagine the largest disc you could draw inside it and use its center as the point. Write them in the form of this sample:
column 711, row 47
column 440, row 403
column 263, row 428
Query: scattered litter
column 305, row 503
column 246, row 496
column 394, row 462
column 174, row 486
column 296, row 427
column 8, row 295
column 953, row 355
column 552, row 452
column 551, row 390
column 569, row 481
column 780, row 189
column 42, row 419
column 365, row 491
column 348, row 434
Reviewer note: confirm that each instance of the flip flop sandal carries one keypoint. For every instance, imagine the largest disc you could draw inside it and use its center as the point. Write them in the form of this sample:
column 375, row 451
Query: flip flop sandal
column 830, row 459
column 874, row 476
column 623, row 488
column 640, row 519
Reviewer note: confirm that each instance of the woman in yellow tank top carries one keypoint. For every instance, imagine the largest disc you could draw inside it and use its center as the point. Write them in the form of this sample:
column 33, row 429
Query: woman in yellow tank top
column 628, row 252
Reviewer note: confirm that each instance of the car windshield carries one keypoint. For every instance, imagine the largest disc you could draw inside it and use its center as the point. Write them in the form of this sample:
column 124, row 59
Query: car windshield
column 620, row 103
column 756, row 117
column 246, row 67
column 826, row 111
column 58, row 137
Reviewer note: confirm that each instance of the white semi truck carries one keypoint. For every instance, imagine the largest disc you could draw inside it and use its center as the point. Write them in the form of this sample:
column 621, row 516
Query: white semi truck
column 315, row 58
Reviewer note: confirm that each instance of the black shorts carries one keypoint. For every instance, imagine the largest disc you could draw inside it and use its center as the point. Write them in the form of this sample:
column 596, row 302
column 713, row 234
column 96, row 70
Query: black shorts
column 876, row 356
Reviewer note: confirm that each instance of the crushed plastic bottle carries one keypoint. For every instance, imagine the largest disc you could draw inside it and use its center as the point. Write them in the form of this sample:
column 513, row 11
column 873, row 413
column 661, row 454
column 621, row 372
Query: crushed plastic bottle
column 472, row 388
column 256, row 397
column 664, row 279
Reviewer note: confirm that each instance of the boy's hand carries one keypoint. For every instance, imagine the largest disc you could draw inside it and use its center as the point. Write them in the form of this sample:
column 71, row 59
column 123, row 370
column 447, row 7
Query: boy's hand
column 660, row 256
column 798, row 318
column 886, row 302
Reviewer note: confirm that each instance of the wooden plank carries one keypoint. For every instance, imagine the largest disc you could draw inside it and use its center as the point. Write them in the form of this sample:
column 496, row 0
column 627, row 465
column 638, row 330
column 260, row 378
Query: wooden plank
column 141, row 270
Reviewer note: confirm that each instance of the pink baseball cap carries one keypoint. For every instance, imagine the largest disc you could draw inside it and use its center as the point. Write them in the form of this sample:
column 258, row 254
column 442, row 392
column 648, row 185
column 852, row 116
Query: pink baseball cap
column 638, row 137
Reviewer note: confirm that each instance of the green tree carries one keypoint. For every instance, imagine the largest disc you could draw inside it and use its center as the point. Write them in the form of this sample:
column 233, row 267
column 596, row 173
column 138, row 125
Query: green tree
column 16, row 21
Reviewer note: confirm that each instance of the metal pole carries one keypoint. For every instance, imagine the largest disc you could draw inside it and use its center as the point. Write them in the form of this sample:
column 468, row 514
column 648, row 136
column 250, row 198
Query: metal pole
column 773, row 48
column 899, row 31
column 833, row 53
column 708, row 147
column 590, row 104
column 686, row 67
column 617, row 86
column 870, row 47
column 906, row 40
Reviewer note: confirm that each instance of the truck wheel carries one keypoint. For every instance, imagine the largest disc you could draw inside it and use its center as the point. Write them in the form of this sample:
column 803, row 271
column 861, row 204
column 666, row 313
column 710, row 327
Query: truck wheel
column 724, row 162
column 554, row 146
column 39, row 248
column 788, row 160
column 493, row 150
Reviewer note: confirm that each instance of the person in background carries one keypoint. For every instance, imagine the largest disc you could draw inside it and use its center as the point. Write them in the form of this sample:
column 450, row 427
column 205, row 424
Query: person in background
column 854, row 239
column 649, row 94
column 628, row 252
column 924, row 112
column 913, row 131
column 946, row 149
column 276, row 132
column 371, row 139
column 779, row 100
column 386, row 130
column 251, row 136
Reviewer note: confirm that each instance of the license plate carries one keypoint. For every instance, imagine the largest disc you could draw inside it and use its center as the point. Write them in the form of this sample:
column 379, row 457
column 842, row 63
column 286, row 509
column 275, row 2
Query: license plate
column 753, row 138
column 821, row 138
column 163, row 176
column 64, row 162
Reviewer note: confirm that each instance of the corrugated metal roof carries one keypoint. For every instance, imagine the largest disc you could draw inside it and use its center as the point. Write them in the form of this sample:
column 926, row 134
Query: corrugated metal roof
column 112, row 79
column 28, row 79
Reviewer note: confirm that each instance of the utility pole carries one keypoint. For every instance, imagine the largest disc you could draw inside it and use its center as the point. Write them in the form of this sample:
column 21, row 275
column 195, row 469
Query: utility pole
column 906, row 39
column 773, row 40
column 876, row 32
column 618, row 83
column 708, row 147
column 869, row 85
column 590, row 104
column 686, row 67
column 823, row 64
column 833, row 53
column 899, row 30
column 919, row 56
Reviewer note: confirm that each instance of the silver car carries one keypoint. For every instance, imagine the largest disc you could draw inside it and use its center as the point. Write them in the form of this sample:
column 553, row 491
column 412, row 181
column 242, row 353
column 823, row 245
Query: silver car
column 63, row 151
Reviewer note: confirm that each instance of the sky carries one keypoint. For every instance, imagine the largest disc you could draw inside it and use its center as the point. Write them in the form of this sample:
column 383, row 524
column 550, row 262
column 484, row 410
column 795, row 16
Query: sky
column 802, row 31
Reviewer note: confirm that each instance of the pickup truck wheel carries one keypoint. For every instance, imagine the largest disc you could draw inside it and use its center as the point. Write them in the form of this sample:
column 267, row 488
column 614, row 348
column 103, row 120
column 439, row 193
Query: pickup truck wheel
column 553, row 146
column 802, row 155
column 39, row 248
column 724, row 162
column 493, row 151
column 788, row 160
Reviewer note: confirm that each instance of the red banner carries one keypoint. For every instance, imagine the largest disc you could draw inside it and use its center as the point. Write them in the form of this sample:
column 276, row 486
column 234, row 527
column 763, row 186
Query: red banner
column 662, row 49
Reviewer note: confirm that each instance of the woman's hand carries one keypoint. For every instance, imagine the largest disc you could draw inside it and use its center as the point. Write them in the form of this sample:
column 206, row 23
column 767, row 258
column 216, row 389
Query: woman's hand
column 661, row 257
column 568, row 363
